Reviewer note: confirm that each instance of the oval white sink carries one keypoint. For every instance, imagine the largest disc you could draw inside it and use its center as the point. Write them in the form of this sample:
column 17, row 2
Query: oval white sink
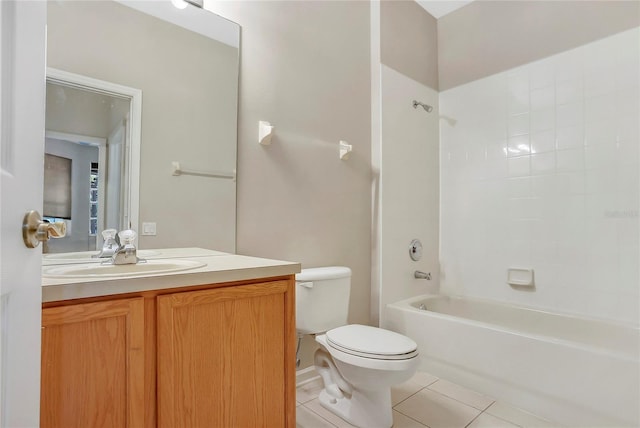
column 110, row 271
column 87, row 256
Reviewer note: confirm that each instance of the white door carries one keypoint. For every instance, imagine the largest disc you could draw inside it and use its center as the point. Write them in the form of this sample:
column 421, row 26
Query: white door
column 22, row 91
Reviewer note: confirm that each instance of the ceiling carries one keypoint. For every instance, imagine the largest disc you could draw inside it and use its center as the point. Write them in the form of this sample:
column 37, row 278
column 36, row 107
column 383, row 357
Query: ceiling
column 439, row 8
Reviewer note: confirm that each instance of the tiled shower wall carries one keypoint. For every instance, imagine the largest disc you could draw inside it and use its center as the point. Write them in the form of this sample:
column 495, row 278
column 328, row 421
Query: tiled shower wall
column 540, row 169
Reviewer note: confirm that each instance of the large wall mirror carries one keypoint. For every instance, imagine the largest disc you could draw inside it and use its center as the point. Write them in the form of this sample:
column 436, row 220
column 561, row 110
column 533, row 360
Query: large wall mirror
column 134, row 87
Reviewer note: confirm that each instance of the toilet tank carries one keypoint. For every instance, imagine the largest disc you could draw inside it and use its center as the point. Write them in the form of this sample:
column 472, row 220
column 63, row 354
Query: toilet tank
column 322, row 298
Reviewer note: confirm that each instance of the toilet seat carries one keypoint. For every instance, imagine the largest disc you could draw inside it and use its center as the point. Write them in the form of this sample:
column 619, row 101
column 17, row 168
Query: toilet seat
column 369, row 361
column 371, row 342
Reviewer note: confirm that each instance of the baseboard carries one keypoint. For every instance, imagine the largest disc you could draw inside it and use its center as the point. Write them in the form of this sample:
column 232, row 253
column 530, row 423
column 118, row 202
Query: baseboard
column 306, row 375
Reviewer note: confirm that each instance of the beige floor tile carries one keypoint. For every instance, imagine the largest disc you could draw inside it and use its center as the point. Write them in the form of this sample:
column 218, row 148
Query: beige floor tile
column 316, row 407
column 423, row 378
column 486, row 420
column 462, row 394
column 407, row 389
column 436, row 410
column 403, row 391
column 305, row 418
column 402, row 421
column 309, row 391
column 519, row 417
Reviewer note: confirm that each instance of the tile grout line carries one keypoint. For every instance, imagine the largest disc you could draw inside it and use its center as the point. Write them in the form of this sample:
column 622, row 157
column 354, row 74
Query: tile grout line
column 320, row 416
column 400, row 402
column 494, row 416
column 413, row 419
column 421, row 389
column 462, row 402
column 471, row 421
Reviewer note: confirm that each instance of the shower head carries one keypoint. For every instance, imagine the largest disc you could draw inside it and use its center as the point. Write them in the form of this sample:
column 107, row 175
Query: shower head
column 426, row 107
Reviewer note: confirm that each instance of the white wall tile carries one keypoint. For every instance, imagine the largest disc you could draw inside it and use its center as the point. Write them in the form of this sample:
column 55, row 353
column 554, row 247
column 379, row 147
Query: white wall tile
column 518, row 81
column 600, row 132
column 601, row 156
column 518, row 146
column 543, row 246
column 569, row 137
column 628, row 129
column 628, row 267
column 518, row 124
column 543, row 163
column 570, row 65
column 496, row 168
column 542, row 98
column 518, row 103
column 627, row 76
column 570, row 91
column 542, row 74
column 569, row 115
column 496, row 149
column 520, row 230
column 570, row 160
column 544, row 141
column 542, row 120
column 599, row 82
column 602, row 107
column 601, row 180
column 519, row 166
column 519, row 187
column 626, row 103
column 628, row 180
column 559, row 186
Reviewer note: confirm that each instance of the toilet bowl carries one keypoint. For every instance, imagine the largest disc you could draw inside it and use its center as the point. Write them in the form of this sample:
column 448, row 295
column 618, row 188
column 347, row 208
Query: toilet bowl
column 369, row 361
column 358, row 364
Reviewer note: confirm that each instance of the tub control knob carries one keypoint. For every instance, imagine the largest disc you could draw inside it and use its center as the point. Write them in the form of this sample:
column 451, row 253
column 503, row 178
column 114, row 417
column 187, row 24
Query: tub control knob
column 415, row 250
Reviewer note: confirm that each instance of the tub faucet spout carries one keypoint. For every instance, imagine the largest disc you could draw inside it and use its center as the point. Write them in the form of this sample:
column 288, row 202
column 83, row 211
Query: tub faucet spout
column 422, row 275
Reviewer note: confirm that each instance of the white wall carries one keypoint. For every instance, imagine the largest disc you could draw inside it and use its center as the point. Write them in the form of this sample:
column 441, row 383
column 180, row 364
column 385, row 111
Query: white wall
column 409, row 187
column 305, row 68
column 77, row 111
column 541, row 171
column 404, row 151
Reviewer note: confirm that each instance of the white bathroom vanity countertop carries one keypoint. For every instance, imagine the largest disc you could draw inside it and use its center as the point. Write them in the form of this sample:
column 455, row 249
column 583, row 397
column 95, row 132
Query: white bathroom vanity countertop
column 219, row 267
column 153, row 254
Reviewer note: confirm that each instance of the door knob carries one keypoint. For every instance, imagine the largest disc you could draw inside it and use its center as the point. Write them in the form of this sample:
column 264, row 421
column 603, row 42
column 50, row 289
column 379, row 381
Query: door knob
column 35, row 230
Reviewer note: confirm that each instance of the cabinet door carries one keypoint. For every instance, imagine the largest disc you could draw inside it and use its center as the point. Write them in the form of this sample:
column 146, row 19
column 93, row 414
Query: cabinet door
column 93, row 365
column 226, row 357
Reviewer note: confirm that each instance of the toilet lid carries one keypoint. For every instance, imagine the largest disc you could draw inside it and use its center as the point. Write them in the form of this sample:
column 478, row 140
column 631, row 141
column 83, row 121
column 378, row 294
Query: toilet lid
column 371, row 342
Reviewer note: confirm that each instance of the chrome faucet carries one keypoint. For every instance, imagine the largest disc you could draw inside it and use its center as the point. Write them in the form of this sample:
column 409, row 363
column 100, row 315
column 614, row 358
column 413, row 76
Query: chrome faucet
column 110, row 245
column 422, row 275
column 126, row 253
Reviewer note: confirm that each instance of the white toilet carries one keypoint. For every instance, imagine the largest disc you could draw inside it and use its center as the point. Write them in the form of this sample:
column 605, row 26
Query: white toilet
column 358, row 364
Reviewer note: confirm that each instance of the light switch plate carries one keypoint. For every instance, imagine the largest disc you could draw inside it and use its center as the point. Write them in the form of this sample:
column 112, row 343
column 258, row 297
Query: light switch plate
column 149, row 228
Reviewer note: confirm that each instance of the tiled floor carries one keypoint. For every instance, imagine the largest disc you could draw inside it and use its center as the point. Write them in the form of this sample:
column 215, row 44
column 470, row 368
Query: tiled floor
column 424, row 401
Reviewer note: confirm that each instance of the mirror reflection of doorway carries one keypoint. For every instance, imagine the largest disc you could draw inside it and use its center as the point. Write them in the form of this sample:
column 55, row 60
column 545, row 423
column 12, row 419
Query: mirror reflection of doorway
column 90, row 129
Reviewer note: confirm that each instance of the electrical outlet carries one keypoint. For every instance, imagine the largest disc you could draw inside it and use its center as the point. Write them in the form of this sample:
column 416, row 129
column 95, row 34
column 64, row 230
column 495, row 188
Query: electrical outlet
column 149, row 228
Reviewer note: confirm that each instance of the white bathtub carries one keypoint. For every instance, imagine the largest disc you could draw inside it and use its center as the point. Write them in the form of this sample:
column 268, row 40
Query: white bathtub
column 574, row 371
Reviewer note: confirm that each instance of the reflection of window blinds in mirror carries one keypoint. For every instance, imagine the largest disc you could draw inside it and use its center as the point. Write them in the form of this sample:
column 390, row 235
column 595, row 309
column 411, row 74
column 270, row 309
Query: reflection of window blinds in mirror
column 57, row 187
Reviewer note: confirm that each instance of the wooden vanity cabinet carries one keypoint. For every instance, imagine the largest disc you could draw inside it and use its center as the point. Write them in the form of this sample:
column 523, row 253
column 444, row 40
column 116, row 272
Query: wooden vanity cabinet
column 221, row 355
column 92, row 365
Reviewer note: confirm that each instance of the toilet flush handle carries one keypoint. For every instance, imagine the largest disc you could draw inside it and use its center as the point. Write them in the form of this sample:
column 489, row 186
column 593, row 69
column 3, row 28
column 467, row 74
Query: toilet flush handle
column 307, row 284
